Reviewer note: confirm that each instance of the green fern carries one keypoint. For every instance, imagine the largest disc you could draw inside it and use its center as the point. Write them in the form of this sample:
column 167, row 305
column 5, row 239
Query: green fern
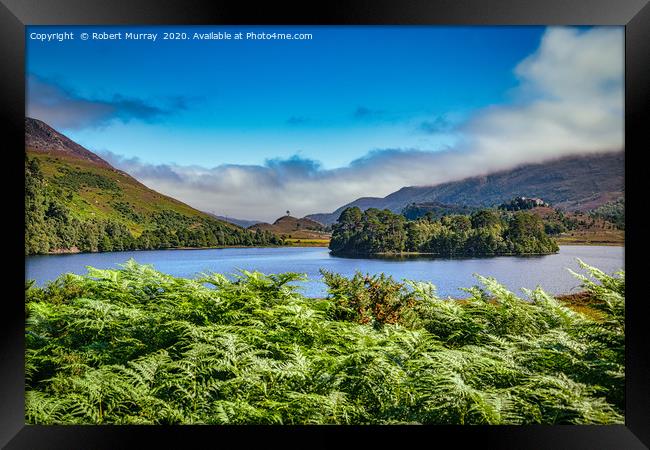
column 136, row 346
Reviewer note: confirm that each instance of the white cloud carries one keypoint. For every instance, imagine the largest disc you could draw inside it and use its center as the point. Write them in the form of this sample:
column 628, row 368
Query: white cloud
column 569, row 101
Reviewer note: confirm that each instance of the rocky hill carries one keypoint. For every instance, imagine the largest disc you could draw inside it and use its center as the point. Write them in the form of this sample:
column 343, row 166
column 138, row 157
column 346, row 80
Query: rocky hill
column 41, row 138
column 294, row 228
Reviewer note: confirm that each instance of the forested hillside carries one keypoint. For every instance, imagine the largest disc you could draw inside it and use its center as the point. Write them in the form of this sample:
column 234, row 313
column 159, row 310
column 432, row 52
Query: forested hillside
column 434, row 210
column 75, row 201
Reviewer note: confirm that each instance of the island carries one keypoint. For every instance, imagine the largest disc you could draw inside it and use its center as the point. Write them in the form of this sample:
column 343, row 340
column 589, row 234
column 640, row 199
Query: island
column 487, row 232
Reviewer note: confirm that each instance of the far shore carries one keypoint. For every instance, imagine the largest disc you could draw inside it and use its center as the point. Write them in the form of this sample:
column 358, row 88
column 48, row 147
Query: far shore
column 76, row 250
column 432, row 255
column 318, row 243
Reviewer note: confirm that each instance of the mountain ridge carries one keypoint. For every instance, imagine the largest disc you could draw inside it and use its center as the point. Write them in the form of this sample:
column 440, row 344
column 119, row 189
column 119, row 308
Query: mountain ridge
column 42, row 138
column 244, row 223
column 574, row 183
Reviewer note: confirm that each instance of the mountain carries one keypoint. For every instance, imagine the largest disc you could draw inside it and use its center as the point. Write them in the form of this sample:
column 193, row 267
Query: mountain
column 41, row 138
column 574, row 183
column 294, row 228
column 76, row 201
column 244, row 223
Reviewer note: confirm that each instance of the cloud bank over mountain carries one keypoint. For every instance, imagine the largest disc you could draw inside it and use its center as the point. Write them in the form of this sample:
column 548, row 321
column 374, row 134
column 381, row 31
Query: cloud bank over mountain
column 569, row 100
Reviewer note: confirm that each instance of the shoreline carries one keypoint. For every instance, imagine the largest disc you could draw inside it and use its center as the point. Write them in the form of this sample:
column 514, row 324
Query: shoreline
column 342, row 255
column 432, row 255
column 77, row 252
column 462, row 256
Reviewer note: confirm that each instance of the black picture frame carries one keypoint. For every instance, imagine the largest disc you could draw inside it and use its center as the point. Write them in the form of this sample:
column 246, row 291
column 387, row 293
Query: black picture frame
column 633, row 14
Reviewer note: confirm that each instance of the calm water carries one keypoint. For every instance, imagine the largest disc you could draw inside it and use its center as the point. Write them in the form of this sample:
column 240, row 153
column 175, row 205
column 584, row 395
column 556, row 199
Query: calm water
column 447, row 274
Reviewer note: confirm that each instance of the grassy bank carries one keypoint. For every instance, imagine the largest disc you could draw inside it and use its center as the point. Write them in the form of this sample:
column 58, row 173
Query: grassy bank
column 593, row 236
column 307, row 242
column 577, row 238
column 135, row 346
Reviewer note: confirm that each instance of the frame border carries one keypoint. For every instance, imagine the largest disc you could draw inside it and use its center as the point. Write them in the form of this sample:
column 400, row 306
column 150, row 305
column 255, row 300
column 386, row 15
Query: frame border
column 633, row 14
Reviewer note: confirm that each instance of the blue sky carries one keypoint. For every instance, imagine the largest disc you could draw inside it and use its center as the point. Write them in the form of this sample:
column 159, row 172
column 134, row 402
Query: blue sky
column 313, row 109
column 334, row 97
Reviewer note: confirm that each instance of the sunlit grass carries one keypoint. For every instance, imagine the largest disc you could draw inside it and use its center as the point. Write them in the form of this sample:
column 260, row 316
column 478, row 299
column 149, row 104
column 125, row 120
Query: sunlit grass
column 307, row 242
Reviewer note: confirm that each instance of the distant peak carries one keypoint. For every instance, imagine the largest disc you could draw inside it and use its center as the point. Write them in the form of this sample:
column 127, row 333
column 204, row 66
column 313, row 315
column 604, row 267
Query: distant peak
column 41, row 137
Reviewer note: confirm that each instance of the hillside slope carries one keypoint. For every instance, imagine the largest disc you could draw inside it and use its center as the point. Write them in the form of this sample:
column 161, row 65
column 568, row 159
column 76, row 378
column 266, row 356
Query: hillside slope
column 76, row 201
column 576, row 183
